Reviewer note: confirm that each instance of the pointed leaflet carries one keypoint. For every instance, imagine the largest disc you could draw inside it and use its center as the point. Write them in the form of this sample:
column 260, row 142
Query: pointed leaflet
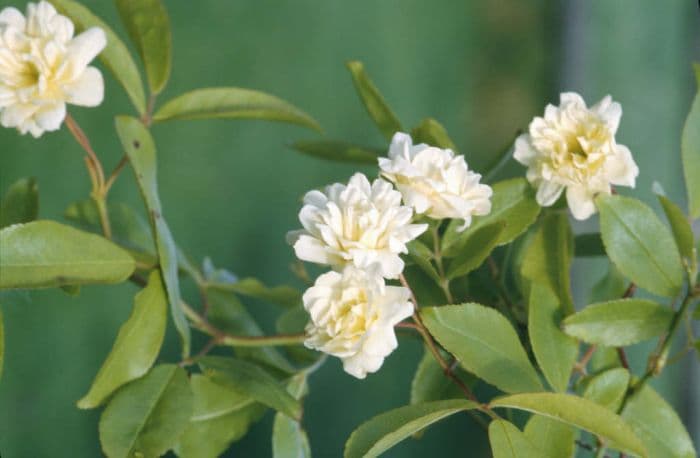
column 137, row 345
column 611, row 286
column 20, row 203
column 233, row 103
column 513, row 201
column 149, row 28
column 555, row 351
column 251, row 380
column 640, row 245
column 484, row 343
column 682, row 233
column 387, row 429
column 548, row 258
column 553, row 438
column 339, row 151
column 475, row 249
column 619, row 323
column 289, row 439
column 507, row 441
column 578, row 412
column 286, row 296
column 116, row 57
column 45, row 254
column 141, row 150
column 145, row 417
column 690, row 152
column 655, row 421
column 608, row 388
column 383, row 117
column 431, row 132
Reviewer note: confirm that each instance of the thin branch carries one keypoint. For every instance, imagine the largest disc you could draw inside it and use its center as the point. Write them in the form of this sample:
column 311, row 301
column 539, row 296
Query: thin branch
column 580, row 366
column 623, row 357
column 115, row 173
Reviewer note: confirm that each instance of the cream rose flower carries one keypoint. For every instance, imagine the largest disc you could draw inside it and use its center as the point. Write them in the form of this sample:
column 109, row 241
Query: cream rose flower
column 353, row 314
column 43, row 67
column 357, row 223
column 434, row 181
column 573, row 147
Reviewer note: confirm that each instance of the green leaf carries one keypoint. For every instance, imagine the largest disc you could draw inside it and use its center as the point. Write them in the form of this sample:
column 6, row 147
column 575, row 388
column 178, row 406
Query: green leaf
column 417, row 256
column 608, row 388
column 220, row 417
column 619, row 323
column 555, row 352
column 383, row 117
column 145, row 417
column 20, row 203
column 430, row 384
column 507, row 441
column 474, row 251
column 252, row 381
column 513, row 201
column 578, row 412
column 137, row 345
column 141, row 150
column 658, row 425
column 338, row 151
column 682, row 231
column 690, row 153
column 233, row 103
column 286, row 296
column 611, row 286
column 45, row 254
column 484, row 343
column 289, row 439
column 116, row 57
column 382, row 432
column 553, row 438
column 431, row 132
column 589, row 245
column 640, row 245
column 548, row 258
column 148, row 26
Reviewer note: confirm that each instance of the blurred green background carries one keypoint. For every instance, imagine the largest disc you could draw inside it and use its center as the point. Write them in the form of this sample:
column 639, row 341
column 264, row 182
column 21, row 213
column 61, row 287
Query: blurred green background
column 232, row 189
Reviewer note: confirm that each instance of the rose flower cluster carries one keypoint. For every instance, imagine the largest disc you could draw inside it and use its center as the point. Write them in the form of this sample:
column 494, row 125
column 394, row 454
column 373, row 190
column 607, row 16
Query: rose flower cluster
column 360, row 230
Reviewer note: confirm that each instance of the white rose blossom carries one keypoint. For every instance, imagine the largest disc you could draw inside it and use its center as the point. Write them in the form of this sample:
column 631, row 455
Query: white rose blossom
column 434, row 181
column 358, row 223
column 573, row 147
column 353, row 314
column 43, row 67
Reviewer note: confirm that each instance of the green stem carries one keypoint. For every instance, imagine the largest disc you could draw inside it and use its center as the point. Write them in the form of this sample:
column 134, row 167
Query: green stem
column 437, row 254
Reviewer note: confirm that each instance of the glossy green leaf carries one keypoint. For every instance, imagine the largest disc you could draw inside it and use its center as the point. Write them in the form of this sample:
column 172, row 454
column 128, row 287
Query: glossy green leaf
column 640, row 245
column 658, row 425
column 474, row 251
column 547, row 260
column 137, row 345
column 289, row 439
column 555, row 352
column 589, row 245
column 690, row 153
column 555, row 439
column 507, row 441
column 431, row 132
column 430, row 384
column 484, row 343
column 146, row 417
column 116, row 57
column 384, row 118
column 578, row 412
column 253, row 381
column 387, row 429
column 44, row 254
column 619, row 323
column 233, row 103
column 221, row 416
column 286, row 296
column 608, row 388
column 141, row 150
column 148, row 26
column 513, row 201
column 20, row 203
column 681, row 229
column 338, row 151
column 611, row 286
